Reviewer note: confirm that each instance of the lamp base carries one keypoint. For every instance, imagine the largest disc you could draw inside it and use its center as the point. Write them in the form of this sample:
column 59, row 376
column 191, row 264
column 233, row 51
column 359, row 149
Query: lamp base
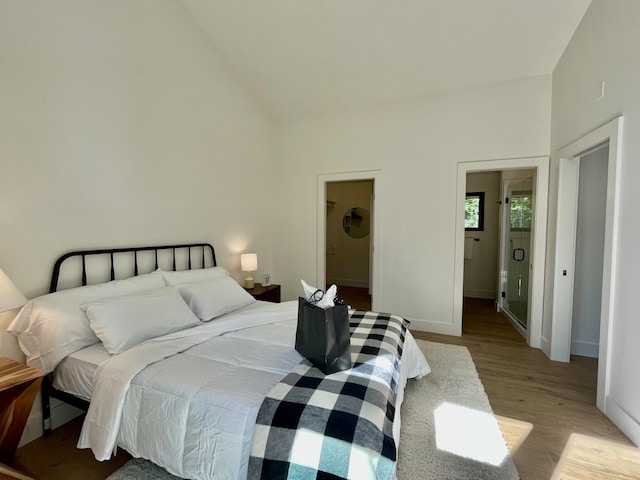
column 249, row 283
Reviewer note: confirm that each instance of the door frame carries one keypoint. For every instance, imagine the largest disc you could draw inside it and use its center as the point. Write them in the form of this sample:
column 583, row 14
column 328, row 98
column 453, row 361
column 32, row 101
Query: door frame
column 376, row 228
column 538, row 236
column 568, row 182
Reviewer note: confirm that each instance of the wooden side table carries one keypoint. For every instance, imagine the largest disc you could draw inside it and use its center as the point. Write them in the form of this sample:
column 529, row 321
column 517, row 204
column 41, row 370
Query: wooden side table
column 19, row 386
column 270, row 293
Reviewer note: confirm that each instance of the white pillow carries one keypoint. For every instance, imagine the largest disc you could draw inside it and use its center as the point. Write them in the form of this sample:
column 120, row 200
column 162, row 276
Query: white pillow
column 53, row 326
column 124, row 322
column 212, row 298
column 191, row 276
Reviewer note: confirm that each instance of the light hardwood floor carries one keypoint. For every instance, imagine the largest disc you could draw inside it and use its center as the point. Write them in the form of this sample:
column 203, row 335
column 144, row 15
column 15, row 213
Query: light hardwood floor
column 521, row 382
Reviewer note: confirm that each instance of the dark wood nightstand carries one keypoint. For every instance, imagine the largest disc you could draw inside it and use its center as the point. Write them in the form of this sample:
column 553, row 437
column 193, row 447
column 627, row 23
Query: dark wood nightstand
column 19, row 386
column 266, row 294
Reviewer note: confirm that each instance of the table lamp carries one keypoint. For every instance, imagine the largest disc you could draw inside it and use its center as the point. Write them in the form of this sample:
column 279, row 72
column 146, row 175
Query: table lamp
column 249, row 263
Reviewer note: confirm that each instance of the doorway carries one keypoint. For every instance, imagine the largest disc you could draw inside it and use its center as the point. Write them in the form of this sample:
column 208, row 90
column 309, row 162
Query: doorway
column 348, row 220
column 589, row 255
column 348, row 240
column 609, row 135
column 540, row 165
column 497, row 256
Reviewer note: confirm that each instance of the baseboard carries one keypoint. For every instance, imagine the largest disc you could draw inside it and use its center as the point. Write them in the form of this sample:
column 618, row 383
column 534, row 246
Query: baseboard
column 584, row 349
column 545, row 346
column 431, row 327
column 623, row 420
column 348, row 282
column 488, row 294
column 61, row 413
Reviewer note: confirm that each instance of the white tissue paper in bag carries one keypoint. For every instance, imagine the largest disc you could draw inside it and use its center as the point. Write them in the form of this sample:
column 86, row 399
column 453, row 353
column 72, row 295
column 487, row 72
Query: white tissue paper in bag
column 327, row 300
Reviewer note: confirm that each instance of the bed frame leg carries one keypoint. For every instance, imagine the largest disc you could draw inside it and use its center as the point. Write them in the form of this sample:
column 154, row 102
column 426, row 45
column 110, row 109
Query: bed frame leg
column 46, row 406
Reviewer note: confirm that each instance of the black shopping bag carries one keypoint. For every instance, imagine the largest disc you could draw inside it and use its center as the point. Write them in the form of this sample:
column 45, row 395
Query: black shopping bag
column 323, row 336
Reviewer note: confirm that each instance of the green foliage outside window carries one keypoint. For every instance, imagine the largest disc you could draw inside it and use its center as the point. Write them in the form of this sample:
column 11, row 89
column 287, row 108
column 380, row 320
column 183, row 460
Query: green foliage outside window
column 474, row 211
column 521, row 210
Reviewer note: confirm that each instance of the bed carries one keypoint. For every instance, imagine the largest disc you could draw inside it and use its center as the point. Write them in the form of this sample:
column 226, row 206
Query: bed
column 175, row 365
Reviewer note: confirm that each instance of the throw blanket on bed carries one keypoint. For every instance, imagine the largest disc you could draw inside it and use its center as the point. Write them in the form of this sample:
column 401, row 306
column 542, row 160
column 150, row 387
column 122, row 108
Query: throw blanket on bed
column 311, row 425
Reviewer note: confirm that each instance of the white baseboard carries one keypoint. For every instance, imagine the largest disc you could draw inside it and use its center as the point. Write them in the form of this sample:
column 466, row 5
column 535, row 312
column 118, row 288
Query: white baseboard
column 584, row 349
column 348, row 282
column 475, row 293
column 61, row 413
column 623, row 420
column 431, row 327
column 545, row 346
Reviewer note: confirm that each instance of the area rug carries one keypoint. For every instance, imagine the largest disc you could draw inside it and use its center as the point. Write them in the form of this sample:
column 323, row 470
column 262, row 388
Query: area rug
column 448, row 428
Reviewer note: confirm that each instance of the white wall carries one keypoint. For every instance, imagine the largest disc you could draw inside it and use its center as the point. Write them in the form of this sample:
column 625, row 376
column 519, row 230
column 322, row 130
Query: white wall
column 417, row 145
column 587, row 287
column 347, row 257
column 605, row 47
column 480, row 271
column 119, row 125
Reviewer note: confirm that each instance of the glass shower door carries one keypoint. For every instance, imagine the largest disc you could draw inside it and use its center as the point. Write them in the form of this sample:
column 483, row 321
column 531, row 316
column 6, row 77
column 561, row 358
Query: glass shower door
column 519, row 203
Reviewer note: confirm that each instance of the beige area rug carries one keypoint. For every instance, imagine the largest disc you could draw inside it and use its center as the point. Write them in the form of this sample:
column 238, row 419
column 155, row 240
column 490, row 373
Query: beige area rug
column 448, row 428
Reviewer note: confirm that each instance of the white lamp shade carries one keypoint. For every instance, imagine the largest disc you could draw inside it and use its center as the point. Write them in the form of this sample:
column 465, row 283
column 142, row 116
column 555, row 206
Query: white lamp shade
column 249, row 262
column 10, row 296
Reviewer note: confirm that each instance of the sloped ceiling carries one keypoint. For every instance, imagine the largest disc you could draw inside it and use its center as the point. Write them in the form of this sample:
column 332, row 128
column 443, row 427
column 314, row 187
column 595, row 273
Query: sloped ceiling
column 309, row 57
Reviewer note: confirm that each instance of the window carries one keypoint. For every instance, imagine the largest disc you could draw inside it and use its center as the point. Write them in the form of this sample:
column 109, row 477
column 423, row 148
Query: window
column 474, row 211
column 520, row 210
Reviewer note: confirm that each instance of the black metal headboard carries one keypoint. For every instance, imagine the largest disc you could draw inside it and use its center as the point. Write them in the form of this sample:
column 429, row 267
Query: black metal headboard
column 197, row 251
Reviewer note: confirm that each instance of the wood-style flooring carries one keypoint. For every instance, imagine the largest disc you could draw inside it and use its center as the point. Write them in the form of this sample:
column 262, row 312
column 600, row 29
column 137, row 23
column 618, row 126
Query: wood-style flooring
column 521, row 382
column 355, row 297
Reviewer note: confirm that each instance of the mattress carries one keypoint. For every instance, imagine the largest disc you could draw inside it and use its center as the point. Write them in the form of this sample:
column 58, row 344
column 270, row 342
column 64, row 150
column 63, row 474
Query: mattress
column 74, row 374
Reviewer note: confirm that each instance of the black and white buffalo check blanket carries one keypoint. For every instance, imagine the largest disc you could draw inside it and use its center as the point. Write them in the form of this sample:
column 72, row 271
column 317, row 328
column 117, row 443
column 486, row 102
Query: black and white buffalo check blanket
column 316, row 426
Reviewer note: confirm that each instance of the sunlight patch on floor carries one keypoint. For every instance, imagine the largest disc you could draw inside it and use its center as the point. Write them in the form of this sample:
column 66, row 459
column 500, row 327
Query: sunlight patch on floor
column 469, row 433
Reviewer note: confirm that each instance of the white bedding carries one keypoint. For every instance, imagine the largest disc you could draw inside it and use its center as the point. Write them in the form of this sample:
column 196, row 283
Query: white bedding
column 188, row 400
column 75, row 373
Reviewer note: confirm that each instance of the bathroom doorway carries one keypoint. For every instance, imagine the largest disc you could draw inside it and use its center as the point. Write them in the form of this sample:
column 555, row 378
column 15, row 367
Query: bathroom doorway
column 530, row 283
column 497, row 256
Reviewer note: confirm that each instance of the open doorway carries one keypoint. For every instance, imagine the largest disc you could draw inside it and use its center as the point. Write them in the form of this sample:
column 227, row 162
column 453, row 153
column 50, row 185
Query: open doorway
column 497, row 252
column 348, row 240
column 535, row 275
column 603, row 145
column 347, row 221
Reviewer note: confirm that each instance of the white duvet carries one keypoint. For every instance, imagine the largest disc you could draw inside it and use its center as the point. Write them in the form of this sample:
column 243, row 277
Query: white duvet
column 188, row 401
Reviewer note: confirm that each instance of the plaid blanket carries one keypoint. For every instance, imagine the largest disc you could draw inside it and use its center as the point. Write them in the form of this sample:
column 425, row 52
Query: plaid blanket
column 312, row 426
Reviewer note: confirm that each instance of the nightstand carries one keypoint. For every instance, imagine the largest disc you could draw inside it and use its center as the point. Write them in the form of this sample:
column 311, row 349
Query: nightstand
column 266, row 294
column 19, row 386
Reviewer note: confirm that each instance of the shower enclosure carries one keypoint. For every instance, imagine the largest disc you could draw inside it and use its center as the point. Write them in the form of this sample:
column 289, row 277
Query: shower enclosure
column 517, row 216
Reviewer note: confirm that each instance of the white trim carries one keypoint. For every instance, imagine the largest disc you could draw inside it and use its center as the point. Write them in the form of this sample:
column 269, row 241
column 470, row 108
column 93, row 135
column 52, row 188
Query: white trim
column 538, row 235
column 563, row 277
column 560, row 341
column 623, row 420
column 348, row 282
column 430, row 326
column 323, row 179
column 477, row 293
column 584, row 349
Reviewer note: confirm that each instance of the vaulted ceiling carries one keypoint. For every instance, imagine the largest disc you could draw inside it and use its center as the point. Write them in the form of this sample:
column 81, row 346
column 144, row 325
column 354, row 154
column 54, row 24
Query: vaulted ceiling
column 310, row 57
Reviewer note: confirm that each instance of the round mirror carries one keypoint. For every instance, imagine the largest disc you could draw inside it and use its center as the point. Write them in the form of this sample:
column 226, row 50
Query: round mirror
column 356, row 222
